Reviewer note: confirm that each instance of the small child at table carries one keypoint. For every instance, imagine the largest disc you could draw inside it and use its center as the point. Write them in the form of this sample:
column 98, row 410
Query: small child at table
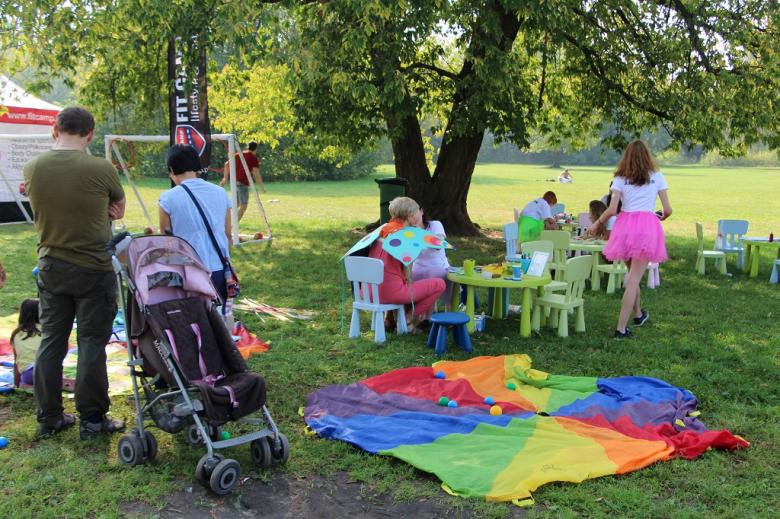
column 599, row 232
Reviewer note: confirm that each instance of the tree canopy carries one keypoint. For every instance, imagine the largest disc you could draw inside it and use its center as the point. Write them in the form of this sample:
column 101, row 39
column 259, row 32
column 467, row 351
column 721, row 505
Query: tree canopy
column 706, row 71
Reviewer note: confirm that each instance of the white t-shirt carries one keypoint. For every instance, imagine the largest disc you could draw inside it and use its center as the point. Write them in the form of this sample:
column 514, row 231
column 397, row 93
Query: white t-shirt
column 538, row 209
column 432, row 258
column 640, row 198
column 188, row 224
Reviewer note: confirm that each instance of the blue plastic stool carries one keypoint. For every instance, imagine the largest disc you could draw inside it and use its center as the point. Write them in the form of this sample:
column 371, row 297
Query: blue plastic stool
column 438, row 335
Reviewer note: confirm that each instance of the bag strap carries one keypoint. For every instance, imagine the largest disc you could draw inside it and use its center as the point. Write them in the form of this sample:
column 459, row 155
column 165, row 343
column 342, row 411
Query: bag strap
column 222, row 258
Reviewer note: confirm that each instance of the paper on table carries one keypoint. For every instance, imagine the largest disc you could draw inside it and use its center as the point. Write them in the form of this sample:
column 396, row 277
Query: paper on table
column 538, row 261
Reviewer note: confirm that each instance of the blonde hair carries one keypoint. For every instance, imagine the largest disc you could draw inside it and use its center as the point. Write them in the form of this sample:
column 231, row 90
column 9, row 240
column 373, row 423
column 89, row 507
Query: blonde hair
column 637, row 164
column 403, row 207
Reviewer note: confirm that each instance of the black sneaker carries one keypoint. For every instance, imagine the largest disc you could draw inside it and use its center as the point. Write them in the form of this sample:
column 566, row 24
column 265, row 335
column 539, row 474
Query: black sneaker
column 624, row 335
column 642, row 319
column 91, row 430
column 65, row 421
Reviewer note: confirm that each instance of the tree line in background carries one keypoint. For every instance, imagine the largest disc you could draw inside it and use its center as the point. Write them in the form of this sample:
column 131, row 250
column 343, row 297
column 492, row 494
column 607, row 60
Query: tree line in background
column 322, row 83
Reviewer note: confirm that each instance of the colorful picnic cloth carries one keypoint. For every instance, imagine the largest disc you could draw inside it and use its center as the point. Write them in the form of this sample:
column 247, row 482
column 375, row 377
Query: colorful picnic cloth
column 551, row 427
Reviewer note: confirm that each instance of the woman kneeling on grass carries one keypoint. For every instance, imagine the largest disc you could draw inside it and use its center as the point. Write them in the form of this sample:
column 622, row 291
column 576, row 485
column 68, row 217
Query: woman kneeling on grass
column 637, row 237
column 396, row 287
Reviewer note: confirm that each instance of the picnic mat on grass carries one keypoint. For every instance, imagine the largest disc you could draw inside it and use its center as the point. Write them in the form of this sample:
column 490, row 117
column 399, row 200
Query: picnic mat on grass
column 551, row 427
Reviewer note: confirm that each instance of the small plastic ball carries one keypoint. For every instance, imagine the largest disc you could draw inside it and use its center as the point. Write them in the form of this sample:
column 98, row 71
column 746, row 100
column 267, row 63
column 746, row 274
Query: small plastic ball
column 148, row 230
column 440, row 374
column 444, row 400
column 511, row 386
column 3, row 442
column 224, row 435
column 496, row 410
column 258, row 236
column 452, row 403
column 36, row 271
column 489, row 400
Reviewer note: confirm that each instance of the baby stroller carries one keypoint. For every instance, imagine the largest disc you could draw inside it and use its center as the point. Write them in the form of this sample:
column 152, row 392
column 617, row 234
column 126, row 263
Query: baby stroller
column 187, row 373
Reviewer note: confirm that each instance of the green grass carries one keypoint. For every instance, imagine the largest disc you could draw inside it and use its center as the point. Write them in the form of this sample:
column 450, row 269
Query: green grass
column 717, row 336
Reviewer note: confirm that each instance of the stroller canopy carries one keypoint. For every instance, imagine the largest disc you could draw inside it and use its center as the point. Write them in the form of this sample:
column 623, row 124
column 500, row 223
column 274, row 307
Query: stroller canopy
column 166, row 267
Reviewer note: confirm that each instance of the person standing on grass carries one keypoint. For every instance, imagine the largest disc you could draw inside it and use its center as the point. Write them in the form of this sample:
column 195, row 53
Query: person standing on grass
column 74, row 197
column 242, row 181
column 637, row 237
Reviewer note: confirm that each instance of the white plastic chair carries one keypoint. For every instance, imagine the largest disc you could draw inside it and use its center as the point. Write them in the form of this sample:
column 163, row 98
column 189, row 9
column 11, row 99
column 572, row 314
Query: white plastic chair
column 773, row 277
column 653, row 275
column 517, row 214
column 510, row 237
column 366, row 274
column 730, row 234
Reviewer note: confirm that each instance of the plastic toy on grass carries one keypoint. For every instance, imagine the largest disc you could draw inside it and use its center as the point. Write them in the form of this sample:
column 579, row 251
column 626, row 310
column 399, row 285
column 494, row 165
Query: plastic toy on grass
column 3, row 442
column 489, row 400
column 444, row 401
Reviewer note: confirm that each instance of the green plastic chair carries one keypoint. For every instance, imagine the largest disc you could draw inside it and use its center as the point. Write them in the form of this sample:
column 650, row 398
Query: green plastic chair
column 560, row 305
column 703, row 255
column 547, row 246
column 616, row 271
column 561, row 241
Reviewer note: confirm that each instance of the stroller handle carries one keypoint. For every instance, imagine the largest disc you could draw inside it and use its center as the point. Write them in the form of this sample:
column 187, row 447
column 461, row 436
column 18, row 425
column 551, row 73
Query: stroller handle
column 111, row 245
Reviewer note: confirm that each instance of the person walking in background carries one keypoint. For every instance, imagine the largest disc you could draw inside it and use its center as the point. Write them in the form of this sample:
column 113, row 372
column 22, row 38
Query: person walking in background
column 537, row 216
column 242, row 181
column 74, row 196
column 637, row 237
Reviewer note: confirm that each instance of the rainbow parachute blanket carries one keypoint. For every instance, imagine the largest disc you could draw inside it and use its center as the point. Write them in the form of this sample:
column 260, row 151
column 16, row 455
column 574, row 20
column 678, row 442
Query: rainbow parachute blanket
column 551, row 427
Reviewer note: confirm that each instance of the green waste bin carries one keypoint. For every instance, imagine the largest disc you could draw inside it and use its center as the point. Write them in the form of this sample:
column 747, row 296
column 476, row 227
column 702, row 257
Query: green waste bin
column 389, row 189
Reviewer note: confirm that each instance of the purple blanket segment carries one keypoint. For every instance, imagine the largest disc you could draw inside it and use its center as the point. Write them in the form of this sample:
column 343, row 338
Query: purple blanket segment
column 647, row 401
column 379, row 422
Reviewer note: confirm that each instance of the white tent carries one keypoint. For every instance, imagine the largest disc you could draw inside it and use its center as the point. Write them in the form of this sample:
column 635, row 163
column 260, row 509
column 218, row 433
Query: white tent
column 25, row 132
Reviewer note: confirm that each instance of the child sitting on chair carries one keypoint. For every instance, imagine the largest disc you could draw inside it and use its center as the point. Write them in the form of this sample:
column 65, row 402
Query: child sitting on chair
column 433, row 263
column 397, row 287
column 595, row 232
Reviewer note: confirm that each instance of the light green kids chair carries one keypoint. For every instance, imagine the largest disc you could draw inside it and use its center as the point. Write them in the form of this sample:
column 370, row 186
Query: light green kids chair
column 616, row 271
column 561, row 241
column 703, row 255
column 547, row 246
column 577, row 271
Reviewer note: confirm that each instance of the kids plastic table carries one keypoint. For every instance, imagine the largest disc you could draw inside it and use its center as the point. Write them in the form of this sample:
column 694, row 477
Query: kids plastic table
column 752, row 252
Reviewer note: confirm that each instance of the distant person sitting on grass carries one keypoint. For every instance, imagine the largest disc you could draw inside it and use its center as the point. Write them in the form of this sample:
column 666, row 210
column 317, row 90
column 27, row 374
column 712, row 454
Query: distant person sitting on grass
column 565, row 177
column 537, row 216
column 242, row 181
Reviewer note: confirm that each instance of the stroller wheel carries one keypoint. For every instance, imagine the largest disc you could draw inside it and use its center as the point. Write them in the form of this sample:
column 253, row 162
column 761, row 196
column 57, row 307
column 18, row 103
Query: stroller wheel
column 281, row 454
column 205, row 467
column 225, row 476
column 130, row 450
column 192, row 435
column 151, row 446
column 261, row 452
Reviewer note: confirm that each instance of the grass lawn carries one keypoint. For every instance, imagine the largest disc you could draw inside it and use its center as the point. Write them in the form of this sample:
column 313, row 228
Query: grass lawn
column 716, row 336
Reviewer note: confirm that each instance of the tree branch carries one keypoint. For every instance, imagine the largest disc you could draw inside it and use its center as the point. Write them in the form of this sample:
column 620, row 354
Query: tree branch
column 596, row 65
column 432, row 68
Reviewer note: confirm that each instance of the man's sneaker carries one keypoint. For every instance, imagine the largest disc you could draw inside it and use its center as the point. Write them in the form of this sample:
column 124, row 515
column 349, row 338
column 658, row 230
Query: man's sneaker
column 642, row 319
column 90, row 430
column 624, row 335
column 65, row 421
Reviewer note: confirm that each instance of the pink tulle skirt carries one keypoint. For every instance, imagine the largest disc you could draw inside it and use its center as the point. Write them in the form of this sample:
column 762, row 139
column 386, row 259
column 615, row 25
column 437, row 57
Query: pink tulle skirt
column 637, row 236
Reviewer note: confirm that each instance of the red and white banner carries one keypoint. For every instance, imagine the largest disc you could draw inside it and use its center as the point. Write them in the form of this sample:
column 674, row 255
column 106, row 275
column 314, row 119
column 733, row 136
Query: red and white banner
column 22, row 115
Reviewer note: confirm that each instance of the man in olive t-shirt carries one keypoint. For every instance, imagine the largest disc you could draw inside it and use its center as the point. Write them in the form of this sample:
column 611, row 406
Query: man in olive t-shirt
column 74, row 196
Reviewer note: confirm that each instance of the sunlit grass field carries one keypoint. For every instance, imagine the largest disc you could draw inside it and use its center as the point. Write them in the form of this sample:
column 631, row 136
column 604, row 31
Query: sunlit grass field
column 716, row 336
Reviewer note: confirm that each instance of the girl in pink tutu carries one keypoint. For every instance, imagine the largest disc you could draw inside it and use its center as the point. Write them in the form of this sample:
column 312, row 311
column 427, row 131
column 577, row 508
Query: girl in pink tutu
column 637, row 237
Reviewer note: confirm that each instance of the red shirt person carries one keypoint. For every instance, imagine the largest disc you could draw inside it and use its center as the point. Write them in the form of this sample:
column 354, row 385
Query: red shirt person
column 242, row 181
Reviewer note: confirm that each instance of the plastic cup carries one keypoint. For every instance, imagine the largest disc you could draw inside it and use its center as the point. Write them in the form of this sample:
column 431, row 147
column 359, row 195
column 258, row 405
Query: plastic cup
column 525, row 262
column 516, row 271
column 468, row 267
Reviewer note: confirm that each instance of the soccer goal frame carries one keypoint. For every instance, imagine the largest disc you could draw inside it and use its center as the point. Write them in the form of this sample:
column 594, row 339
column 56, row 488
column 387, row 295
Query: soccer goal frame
column 18, row 198
column 234, row 152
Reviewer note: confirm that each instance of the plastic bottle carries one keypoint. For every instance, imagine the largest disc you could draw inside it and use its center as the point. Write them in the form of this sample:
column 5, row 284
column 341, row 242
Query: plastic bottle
column 771, row 237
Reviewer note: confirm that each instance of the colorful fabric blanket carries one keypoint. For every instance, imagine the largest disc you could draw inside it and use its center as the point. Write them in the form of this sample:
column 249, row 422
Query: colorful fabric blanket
column 542, row 427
